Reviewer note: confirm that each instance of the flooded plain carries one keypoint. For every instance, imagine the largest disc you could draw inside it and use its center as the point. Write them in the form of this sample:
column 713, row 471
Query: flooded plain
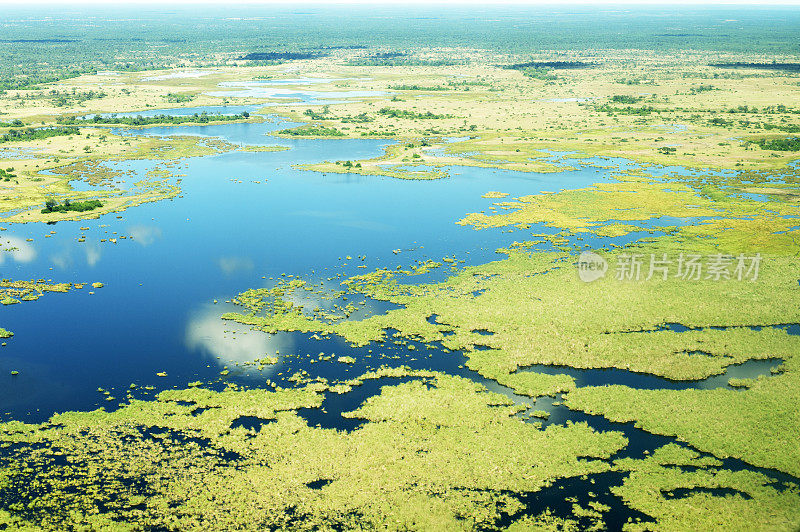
column 242, row 220
column 246, row 219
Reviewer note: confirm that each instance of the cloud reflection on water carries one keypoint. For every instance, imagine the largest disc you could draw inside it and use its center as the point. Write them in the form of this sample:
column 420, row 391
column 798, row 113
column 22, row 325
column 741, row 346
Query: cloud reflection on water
column 16, row 248
column 144, row 235
column 228, row 342
column 233, row 265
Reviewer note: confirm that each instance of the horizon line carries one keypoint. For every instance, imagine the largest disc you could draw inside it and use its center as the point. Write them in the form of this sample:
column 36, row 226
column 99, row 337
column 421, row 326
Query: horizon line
column 400, row 3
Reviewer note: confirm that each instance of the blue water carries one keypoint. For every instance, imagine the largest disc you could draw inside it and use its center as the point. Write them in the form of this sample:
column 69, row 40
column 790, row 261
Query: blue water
column 241, row 216
column 612, row 376
column 242, row 220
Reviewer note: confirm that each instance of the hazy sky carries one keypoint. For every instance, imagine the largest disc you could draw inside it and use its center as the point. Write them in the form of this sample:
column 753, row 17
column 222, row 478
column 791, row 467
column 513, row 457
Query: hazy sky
column 484, row 3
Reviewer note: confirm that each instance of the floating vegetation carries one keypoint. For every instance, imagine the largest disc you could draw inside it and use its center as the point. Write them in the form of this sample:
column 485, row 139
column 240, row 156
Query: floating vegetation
column 540, row 312
column 495, row 195
column 14, row 292
column 442, row 454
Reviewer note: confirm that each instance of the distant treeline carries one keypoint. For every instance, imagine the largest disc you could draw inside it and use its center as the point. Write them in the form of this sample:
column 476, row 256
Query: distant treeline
column 31, row 80
column 44, row 41
column 140, row 120
column 16, row 135
column 181, row 37
column 557, row 65
column 789, row 67
column 388, row 55
column 390, row 59
column 345, row 47
column 11, row 79
column 280, row 56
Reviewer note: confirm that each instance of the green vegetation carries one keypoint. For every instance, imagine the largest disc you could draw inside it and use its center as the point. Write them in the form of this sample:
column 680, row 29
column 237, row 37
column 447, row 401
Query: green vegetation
column 624, row 98
column 34, row 79
column 52, row 205
column 701, row 89
column 555, row 65
column 314, row 115
column 639, row 111
column 311, row 131
column 73, row 97
column 413, row 87
column 7, row 174
column 684, row 491
column 200, row 118
column 410, row 115
column 19, row 135
column 756, row 425
column 528, row 303
column 785, row 144
column 439, row 452
column 542, row 73
column 401, row 62
column 179, row 98
column 29, row 290
column 361, row 118
column 427, row 450
column 781, row 66
column 274, row 57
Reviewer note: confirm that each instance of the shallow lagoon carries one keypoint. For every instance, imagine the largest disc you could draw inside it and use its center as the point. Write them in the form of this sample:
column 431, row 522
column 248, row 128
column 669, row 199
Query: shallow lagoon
column 242, row 218
column 242, row 215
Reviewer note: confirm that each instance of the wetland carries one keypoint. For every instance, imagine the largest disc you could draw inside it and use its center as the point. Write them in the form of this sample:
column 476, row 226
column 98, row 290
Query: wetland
column 415, row 287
